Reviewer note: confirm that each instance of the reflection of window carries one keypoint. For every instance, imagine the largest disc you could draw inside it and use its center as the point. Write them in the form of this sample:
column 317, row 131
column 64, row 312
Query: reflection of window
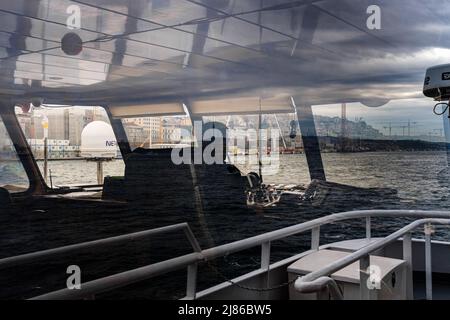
column 157, row 132
column 12, row 173
column 63, row 126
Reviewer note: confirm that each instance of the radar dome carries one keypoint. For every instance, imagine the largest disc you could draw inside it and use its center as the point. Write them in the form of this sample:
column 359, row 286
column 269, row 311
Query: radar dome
column 98, row 141
column 437, row 82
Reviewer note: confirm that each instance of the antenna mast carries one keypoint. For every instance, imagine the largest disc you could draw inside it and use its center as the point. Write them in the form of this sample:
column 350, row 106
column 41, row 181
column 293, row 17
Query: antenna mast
column 259, row 143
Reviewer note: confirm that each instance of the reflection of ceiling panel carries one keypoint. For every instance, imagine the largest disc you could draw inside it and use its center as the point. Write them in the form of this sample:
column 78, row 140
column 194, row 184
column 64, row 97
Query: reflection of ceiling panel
column 60, row 61
column 130, row 111
column 247, row 105
column 197, row 50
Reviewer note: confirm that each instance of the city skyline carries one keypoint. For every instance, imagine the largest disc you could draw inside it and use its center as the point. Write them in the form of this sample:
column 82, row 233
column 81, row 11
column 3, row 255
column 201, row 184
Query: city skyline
column 67, row 123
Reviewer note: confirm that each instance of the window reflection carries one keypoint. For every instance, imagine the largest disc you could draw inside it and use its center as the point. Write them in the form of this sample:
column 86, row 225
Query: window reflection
column 157, row 132
column 12, row 174
column 63, row 127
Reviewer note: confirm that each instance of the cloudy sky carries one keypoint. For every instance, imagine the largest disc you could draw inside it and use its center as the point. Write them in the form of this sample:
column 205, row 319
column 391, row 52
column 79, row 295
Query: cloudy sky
column 398, row 112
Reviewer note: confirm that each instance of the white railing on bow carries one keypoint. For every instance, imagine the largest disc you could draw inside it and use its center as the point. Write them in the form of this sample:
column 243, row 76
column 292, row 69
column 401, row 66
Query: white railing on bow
column 191, row 260
column 318, row 280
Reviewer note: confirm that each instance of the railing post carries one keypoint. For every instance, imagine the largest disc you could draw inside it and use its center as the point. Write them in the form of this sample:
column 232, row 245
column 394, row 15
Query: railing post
column 368, row 228
column 428, row 229
column 407, row 256
column 192, row 239
column 366, row 292
column 191, row 285
column 315, row 238
column 265, row 255
column 265, row 260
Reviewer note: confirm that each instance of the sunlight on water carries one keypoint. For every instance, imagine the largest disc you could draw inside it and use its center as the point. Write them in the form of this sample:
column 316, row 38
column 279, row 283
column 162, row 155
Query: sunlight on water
column 413, row 174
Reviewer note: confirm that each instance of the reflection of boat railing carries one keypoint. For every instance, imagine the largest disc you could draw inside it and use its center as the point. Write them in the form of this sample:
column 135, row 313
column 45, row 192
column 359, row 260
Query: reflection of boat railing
column 191, row 260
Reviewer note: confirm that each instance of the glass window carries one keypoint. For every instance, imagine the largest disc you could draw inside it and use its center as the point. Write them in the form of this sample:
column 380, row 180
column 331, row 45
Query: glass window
column 399, row 145
column 63, row 128
column 281, row 148
column 12, row 174
column 157, row 132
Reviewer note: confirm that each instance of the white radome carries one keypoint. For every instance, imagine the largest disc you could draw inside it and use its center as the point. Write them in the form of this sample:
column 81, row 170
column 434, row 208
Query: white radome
column 437, row 82
column 98, row 141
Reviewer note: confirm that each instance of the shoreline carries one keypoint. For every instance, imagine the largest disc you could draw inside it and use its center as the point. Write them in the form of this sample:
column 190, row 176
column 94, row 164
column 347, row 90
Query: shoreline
column 281, row 154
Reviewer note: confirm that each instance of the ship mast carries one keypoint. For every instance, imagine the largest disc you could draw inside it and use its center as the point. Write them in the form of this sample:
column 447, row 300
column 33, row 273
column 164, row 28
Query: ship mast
column 259, row 144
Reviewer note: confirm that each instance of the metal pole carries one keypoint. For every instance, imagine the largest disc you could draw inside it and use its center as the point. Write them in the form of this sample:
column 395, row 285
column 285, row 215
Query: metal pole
column 446, row 125
column 260, row 150
column 45, row 159
column 315, row 238
column 407, row 256
column 265, row 255
column 99, row 171
column 366, row 292
column 265, row 260
column 368, row 229
column 191, row 285
column 428, row 275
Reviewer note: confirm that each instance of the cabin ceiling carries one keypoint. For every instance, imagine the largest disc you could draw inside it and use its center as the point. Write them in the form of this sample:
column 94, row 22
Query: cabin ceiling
column 204, row 52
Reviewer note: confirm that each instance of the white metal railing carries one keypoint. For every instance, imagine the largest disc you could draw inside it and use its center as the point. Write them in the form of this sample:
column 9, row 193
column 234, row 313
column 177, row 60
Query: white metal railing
column 317, row 280
column 34, row 256
column 190, row 261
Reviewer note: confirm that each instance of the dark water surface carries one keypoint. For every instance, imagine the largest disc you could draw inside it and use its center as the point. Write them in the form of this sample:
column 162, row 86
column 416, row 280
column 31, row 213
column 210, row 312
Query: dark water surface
column 415, row 176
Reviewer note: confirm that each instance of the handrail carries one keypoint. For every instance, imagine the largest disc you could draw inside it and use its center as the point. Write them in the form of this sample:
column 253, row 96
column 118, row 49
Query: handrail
column 319, row 284
column 254, row 241
column 314, row 279
column 139, row 274
column 34, row 256
column 88, row 289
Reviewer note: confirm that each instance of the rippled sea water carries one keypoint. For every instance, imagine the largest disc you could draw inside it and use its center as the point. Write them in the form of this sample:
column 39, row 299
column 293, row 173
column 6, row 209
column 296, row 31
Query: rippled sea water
column 413, row 174
column 419, row 178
